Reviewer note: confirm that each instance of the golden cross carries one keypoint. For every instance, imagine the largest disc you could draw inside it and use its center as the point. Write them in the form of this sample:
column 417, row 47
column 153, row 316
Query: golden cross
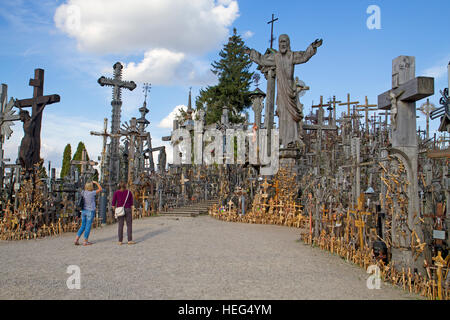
column 367, row 107
column 359, row 223
column 265, row 185
column 321, row 105
column 439, row 262
column 348, row 104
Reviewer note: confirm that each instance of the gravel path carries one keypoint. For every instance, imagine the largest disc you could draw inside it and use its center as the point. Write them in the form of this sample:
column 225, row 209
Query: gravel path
column 185, row 258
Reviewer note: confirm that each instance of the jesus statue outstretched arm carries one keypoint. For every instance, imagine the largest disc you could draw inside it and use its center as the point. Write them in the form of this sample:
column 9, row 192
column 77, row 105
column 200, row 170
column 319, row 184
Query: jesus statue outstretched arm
column 267, row 60
column 304, row 56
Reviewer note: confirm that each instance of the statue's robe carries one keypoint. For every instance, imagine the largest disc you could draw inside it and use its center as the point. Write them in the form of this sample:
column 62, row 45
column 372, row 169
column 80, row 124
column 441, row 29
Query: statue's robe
column 288, row 112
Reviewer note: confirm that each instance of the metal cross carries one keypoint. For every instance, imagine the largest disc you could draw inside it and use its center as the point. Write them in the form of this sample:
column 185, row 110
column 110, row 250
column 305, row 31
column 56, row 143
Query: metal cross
column 118, row 84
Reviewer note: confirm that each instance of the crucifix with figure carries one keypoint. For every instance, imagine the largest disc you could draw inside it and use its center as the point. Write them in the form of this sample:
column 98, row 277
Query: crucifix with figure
column 406, row 90
column 284, row 62
column 29, row 152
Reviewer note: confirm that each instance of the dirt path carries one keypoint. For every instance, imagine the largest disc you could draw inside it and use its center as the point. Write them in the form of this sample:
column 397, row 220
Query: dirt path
column 188, row 258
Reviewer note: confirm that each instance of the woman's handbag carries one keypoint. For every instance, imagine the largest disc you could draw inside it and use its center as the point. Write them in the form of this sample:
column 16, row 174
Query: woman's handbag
column 80, row 205
column 120, row 211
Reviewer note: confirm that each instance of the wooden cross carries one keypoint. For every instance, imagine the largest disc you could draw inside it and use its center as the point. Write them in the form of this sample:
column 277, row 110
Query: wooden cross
column 83, row 162
column 407, row 89
column 265, row 186
column 367, row 107
column 359, row 223
column 143, row 197
column 271, row 22
column 348, row 104
column 333, row 103
column 105, row 136
column 321, row 105
column 37, row 104
column 439, row 263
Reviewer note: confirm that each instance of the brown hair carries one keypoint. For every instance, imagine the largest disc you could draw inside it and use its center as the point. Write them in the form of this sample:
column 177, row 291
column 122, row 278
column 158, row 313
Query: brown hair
column 122, row 185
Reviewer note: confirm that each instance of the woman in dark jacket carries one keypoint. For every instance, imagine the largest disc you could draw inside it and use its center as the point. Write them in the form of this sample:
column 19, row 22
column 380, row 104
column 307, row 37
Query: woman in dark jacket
column 124, row 198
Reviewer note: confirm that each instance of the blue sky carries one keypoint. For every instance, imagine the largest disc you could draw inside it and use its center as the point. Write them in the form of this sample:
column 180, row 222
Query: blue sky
column 171, row 44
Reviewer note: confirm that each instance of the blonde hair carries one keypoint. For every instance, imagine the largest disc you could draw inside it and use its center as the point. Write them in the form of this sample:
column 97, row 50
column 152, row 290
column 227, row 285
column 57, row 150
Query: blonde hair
column 89, row 186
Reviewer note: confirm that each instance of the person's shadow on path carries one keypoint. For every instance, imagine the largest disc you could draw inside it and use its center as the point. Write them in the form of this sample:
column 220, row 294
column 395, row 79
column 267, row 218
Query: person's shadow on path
column 145, row 237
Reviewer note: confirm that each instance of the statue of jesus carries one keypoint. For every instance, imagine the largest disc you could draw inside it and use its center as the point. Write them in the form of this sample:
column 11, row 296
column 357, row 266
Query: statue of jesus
column 285, row 60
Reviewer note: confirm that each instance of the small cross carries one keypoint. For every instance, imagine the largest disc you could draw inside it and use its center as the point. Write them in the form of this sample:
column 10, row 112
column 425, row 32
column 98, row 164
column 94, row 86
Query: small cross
column 271, row 22
column 367, row 107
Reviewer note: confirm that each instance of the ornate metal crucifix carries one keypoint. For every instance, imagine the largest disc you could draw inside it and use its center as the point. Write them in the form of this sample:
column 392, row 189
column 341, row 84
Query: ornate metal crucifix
column 118, row 84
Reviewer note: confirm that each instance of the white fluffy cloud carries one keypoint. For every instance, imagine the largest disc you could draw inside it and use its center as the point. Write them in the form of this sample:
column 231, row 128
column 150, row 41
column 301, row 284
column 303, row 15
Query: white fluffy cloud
column 116, row 26
column 248, row 34
column 172, row 35
column 56, row 133
column 164, row 67
column 167, row 122
column 439, row 69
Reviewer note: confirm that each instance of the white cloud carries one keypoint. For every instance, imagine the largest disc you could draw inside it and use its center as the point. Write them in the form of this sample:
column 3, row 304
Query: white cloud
column 439, row 70
column 164, row 67
column 56, row 133
column 167, row 122
column 112, row 26
column 248, row 34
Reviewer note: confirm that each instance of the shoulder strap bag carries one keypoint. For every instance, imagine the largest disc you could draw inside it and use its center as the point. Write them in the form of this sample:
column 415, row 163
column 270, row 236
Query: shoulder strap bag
column 120, row 211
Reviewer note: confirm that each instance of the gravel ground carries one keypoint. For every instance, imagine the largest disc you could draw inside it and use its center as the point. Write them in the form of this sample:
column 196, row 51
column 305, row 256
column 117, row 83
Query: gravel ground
column 184, row 258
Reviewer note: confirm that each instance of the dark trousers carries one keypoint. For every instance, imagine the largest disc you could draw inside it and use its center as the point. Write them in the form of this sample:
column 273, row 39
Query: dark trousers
column 129, row 218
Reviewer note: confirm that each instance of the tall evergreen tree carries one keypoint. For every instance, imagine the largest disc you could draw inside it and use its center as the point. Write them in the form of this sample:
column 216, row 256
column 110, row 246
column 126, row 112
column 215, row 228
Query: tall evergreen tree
column 42, row 170
column 65, row 169
column 79, row 154
column 233, row 72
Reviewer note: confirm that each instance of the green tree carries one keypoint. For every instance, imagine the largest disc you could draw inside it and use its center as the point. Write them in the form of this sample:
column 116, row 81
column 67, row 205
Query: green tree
column 78, row 156
column 65, row 169
column 42, row 170
column 235, row 78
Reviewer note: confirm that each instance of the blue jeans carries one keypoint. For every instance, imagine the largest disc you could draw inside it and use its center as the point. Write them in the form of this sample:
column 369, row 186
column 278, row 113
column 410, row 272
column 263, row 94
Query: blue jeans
column 87, row 217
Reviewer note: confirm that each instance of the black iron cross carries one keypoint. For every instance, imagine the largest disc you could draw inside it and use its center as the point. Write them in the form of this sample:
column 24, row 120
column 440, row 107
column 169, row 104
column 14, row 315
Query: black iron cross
column 271, row 32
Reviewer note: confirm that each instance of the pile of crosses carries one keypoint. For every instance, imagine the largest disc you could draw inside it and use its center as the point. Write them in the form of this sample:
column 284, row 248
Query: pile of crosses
column 371, row 188
column 281, row 209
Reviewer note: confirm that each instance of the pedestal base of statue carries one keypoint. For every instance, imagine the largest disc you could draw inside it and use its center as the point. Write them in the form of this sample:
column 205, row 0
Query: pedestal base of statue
column 289, row 159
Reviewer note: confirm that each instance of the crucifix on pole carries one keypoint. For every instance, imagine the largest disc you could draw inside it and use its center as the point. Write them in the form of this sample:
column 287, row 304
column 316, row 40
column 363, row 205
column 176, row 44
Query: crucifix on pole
column 271, row 22
column 30, row 146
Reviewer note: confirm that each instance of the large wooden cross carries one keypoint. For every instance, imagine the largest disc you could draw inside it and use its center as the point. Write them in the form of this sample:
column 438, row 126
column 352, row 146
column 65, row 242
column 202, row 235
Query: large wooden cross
column 401, row 99
column 37, row 103
column 349, row 103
